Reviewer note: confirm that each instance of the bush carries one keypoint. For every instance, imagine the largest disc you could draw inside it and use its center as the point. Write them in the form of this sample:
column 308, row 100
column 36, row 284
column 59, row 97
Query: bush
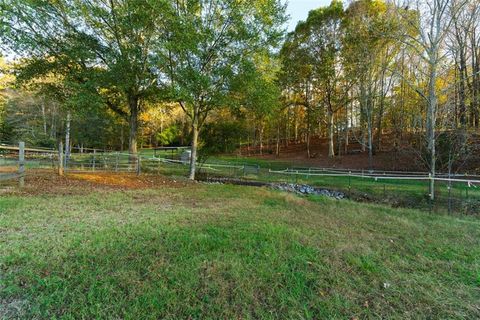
column 221, row 137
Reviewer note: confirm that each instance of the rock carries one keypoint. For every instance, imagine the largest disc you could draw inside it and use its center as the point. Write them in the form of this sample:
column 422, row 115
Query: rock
column 308, row 190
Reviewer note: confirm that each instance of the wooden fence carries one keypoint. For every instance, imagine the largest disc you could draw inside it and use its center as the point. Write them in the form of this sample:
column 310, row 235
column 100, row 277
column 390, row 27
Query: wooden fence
column 20, row 174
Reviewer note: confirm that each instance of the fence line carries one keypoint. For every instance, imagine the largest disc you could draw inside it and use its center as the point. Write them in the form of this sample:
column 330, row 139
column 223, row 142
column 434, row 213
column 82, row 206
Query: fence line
column 99, row 161
column 459, row 186
column 11, row 176
column 379, row 172
column 370, row 176
column 15, row 148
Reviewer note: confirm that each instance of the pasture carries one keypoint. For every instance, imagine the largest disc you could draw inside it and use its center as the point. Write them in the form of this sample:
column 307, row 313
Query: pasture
column 110, row 246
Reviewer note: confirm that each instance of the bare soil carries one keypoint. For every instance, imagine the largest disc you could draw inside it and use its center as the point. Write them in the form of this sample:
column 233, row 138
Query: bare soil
column 296, row 153
column 47, row 182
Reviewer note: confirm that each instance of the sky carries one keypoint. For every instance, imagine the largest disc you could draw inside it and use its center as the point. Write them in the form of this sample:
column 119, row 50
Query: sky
column 298, row 10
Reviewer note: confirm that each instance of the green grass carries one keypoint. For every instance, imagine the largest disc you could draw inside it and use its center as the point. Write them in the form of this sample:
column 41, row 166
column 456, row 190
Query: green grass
column 404, row 193
column 213, row 251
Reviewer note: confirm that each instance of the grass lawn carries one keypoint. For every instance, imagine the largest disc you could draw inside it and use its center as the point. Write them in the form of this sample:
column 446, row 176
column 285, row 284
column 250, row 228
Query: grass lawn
column 213, row 251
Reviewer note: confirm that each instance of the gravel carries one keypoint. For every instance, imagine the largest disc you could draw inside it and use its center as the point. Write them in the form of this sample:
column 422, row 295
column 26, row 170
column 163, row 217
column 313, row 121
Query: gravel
column 301, row 189
column 304, row 189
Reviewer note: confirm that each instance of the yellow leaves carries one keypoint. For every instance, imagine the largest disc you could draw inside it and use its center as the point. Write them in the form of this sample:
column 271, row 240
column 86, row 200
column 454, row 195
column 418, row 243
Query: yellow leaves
column 159, row 115
column 6, row 81
column 6, row 78
column 379, row 6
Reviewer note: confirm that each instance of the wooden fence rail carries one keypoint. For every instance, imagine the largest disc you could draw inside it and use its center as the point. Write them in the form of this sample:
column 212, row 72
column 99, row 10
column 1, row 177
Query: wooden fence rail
column 20, row 174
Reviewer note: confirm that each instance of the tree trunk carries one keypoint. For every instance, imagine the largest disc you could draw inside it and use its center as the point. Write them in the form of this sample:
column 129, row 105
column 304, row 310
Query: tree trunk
column 431, row 118
column 44, row 118
column 122, row 139
column 132, row 139
column 287, row 128
column 308, row 132
column 53, row 127
column 67, row 141
column 370, row 109
column 475, row 62
column 339, row 139
column 363, row 111
column 370, row 144
column 277, row 151
column 380, row 113
column 194, row 145
column 296, row 126
column 308, row 143
column 331, row 150
column 462, row 92
column 260, row 137
column 347, row 129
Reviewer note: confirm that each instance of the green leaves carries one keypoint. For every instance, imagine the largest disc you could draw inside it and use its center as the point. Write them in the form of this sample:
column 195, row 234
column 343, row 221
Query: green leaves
column 211, row 41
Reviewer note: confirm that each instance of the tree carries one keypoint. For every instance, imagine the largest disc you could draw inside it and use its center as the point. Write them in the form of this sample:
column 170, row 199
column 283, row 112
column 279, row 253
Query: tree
column 324, row 37
column 5, row 82
column 297, row 77
column 107, row 43
column 208, row 43
column 256, row 93
column 367, row 27
column 432, row 23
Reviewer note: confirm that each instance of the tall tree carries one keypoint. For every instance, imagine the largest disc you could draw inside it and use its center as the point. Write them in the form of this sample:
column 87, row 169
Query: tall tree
column 367, row 27
column 298, row 76
column 324, row 39
column 257, row 93
column 209, row 41
column 432, row 23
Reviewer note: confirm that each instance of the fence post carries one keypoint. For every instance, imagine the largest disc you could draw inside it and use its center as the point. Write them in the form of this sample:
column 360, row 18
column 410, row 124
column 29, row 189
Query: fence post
column 349, row 183
column 139, row 165
column 430, row 195
column 384, row 185
column 21, row 164
column 449, row 187
column 116, row 162
column 466, row 190
column 60, row 158
column 93, row 160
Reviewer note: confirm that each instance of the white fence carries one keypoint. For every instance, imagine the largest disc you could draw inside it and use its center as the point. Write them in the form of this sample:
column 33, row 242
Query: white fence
column 375, row 175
